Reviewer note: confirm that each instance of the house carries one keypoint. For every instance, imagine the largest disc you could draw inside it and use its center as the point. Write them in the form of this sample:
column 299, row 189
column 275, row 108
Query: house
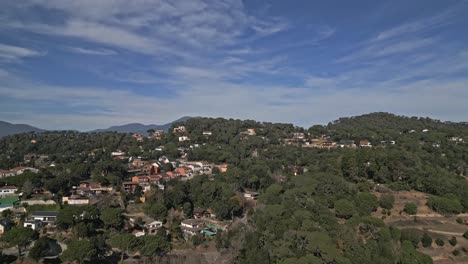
column 129, row 186
column 90, row 187
column 118, row 153
column 33, row 224
column 346, row 144
column 138, row 137
column 365, row 143
column 207, row 133
column 6, row 173
column 328, row 144
column 5, row 225
column 140, row 179
column 249, row 132
column 425, row 130
column 183, row 138
column 251, row 195
column 20, row 170
column 159, row 133
column 8, row 190
column 138, row 233
column 191, row 227
column 180, row 129
column 48, row 217
column 75, row 200
column 184, row 171
column 223, row 168
column 298, row 136
column 153, row 227
column 137, row 163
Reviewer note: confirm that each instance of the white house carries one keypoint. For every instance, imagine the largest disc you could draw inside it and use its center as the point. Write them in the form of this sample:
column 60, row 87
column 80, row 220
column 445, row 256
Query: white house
column 48, row 217
column 33, row 224
column 21, row 170
column 183, row 138
column 8, row 190
column 6, row 173
column 152, row 228
column 118, row 153
column 207, row 133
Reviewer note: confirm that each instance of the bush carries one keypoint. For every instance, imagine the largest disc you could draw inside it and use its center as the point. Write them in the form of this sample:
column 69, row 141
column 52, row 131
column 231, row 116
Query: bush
column 426, row 240
column 410, row 235
column 465, row 235
column 456, row 252
column 460, row 221
column 344, row 208
column 453, row 241
column 445, row 205
column 366, row 203
column 439, row 242
column 411, row 208
column 387, row 201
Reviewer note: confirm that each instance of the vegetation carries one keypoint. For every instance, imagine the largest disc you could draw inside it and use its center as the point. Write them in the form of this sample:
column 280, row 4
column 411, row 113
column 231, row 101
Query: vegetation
column 426, row 240
column 316, row 205
column 411, row 208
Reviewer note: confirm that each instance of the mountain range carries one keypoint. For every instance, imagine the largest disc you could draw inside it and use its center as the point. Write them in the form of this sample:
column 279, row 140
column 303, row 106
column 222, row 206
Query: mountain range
column 11, row 129
column 7, row 129
column 140, row 128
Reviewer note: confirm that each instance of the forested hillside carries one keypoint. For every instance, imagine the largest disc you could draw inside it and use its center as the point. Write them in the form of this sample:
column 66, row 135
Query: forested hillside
column 316, row 205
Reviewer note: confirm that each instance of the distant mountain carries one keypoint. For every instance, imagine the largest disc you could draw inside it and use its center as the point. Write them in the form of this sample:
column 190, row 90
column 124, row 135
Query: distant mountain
column 12, row 129
column 140, row 128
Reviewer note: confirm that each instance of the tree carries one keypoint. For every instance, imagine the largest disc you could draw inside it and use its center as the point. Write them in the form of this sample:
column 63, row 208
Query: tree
column 124, row 242
column 411, row 208
column 366, row 203
column 445, row 205
column 150, row 131
column 410, row 235
column 344, row 208
column 154, row 246
column 453, row 241
column 410, row 256
column 426, row 240
column 465, row 235
column 79, row 251
column 27, row 188
column 387, row 201
column 19, row 237
column 112, row 217
column 40, row 248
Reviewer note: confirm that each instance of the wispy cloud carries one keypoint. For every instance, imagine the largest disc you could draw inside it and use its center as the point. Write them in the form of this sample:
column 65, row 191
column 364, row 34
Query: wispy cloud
column 100, row 52
column 14, row 53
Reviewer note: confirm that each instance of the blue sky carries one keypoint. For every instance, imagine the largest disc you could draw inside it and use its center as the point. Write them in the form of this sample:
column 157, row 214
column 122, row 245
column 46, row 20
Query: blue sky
column 91, row 64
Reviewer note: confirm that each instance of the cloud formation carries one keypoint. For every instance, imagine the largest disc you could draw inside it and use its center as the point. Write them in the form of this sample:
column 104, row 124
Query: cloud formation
column 111, row 62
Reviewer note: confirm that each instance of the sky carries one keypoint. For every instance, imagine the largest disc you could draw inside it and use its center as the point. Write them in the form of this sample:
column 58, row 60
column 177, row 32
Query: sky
column 95, row 63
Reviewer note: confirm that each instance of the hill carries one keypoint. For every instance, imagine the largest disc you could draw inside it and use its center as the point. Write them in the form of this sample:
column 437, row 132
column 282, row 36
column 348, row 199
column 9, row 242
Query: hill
column 140, row 128
column 382, row 126
column 7, row 129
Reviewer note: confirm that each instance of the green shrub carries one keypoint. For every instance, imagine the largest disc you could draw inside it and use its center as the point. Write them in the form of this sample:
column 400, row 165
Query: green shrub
column 411, row 208
column 439, row 242
column 410, row 235
column 344, row 208
column 453, row 241
column 426, row 240
column 387, row 201
column 465, row 235
column 445, row 205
